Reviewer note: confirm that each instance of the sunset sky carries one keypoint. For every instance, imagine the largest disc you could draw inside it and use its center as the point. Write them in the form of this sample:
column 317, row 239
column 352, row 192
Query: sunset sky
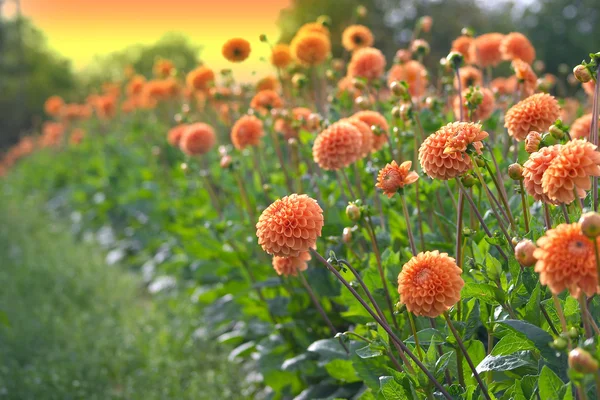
column 81, row 29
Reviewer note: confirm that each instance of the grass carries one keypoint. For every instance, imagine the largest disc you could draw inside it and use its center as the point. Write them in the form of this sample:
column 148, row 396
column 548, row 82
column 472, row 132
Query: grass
column 79, row 329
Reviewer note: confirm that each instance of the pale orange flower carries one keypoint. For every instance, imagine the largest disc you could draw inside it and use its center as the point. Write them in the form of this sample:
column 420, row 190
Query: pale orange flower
column 76, row 136
column 53, row 105
column 175, row 133
column 430, row 283
column 463, row 135
column 570, row 172
column 535, row 113
column 516, row 45
column 356, row 37
column 373, row 118
column 368, row 63
column 290, row 266
column 485, row 50
column 247, row 131
column 566, row 260
column 267, row 83
column 266, row 100
column 461, row 45
column 533, row 171
column 588, row 87
column 290, row 226
column 310, row 48
column 483, row 111
column 469, row 76
column 532, row 142
column 200, row 78
column 394, row 177
column 525, row 76
column 581, row 127
column 313, row 27
column 197, row 139
column 504, row 86
column 290, row 127
column 163, row 68
column 281, row 56
column 337, row 146
column 136, row 85
column 414, row 73
column 236, row 50
column 366, row 143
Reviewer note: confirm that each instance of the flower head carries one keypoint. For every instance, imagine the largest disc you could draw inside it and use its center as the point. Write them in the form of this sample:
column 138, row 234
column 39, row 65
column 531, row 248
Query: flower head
column 533, row 171
column 290, row 226
column 247, row 131
column 525, row 76
column 313, row 27
column 463, row 135
column 290, row 127
column 581, row 127
column 394, row 177
column 281, row 56
column 136, row 85
column 200, row 78
column 53, row 105
column 485, row 50
column 197, row 139
column 532, row 142
column 535, row 113
column 367, row 136
column 516, row 45
column 368, row 63
column 430, row 283
column 469, row 76
column 356, row 37
column 310, row 48
column 415, row 75
column 287, row 266
column 236, row 50
column 266, row 100
column 163, row 67
column 566, row 260
column 337, row 146
column 175, row 133
column 482, row 111
column 570, row 171
column 373, row 118
column 461, row 45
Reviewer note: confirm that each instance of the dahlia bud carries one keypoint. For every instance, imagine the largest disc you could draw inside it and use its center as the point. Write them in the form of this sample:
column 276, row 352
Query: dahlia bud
column 573, row 333
column 402, row 56
column 406, row 111
column 314, row 121
column 455, row 59
column 524, row 253
column 299, row 80
column 361, row 11
column 330, row 75
column 324, row 20
column 347, row 235
column 178, row 118
column 263, row 38
column 468, row 180
column 358, row 83
column 467, row 32
column 556, row 132
column 582, row 361
column 337, row 64
column 184, row 167
column 467, row 232
column 582, row 74
column 226, row 161
column 532, row 142
column 421, row 47
column 376, row 130
column 353, row 212
column 267, row 188
column 398, row 88
column 560, row 343
column 396, row 112
column 515, row 172
column 362, row 102
column 590, row 224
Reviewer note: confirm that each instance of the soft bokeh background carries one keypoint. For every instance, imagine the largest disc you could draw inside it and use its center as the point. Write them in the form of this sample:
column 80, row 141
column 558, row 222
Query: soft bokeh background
column 68, row 47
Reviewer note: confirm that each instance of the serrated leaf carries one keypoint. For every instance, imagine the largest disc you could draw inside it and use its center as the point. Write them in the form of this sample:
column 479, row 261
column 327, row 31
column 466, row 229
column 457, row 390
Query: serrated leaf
column 549, row 385
column 390, row 389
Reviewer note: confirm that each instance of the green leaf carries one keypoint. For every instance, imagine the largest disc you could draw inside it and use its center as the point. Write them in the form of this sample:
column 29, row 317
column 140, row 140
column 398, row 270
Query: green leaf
column 510, row 344
column 295, row 363
column 549, row 385
column 369, row 351
column 342, row 370
column 328, row 349
column 427, row 336
column 242, row 350
column 4, row 319
column 487, row 293
column 506, row 363
column 390, row 389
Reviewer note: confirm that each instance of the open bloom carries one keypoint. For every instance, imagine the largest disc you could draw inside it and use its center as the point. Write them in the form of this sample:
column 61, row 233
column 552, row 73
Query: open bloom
column 337, row 146
column 356, row 37
column 236, row 49
column 430, row 283
column 366, row 144
column 373, row 118
column 281, row 56
column 247, row 131
column 266, row 100
column 175, row 134
column 485, row 50
column 368, row 63
column 291, row 125
column 53, row 105
column 394, row 177
column 464, row 135
column 290, row 226
column 581, row 127
column 533, row 171
column 310, row 48
column 527, row 79
column 287, row 266
column 516, row 45
column 200, row 78
column 469, row 76
column 461, row 45
column 566, row 260
column 535, row 113
column 197, row 139
column 163, row 67
column 569, row 173
column 415, row 75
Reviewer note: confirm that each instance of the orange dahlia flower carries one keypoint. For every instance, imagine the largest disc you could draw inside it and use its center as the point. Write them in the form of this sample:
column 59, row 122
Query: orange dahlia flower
column 483, row 110
column 414, row 73
column 581, row 127
column 368, row 63
column 313, row 27
column 290, row 127
column 76, row 136
column 485, row 50
column 367, row 136
column 236, row 50
column 533, row 171
column 569, row 173
column 267, row 83
column 532, row 142
column 589, row 87
column 247, row 131
column 136, row 85
column 175, row 133
column 461, row 45
column 566, row 260
column 163, row 68
column 430, row 283
column 373, row 118
column 394, row 177
column 469, row 76
column 516, row 45
column 197, row 139
column 53, row 105
column 535, row 113
column 106, row 107
column 281, row 56
column 525, row 76
column 504, row 86
column 266, row 100
column 442, row 154
column 52, row 134
column 356, row 37
column 200, row 78
column 290, row 226
column 290, row 266
column 337, row 146
column 311, row 48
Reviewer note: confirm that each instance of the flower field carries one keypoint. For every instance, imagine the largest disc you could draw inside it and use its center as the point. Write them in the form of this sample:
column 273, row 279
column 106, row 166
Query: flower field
column 352, row 227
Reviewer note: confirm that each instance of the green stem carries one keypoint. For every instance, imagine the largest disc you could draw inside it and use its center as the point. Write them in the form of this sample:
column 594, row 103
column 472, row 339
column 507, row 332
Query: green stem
column 525, row 206
column 411, row 239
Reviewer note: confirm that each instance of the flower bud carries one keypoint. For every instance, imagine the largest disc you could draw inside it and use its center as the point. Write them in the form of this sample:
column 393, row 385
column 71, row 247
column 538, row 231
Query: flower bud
column 263, row 37
column 314, row 121
column 225, row 161
column 560, row 343
column 467, row 32
column 421, row 47
column 590, row 224
column 362, row 102
column 330, row 75
column 396, row 112
column 337, row 64
column 324, row 20
column 406, row 111
column 353, row 212
column 299, row 80
column 347, row 235
column 361, row 11
column 532, row 142
column 358, row 83
column 582, row 74
column 556, row 132
column 515, row 172
column 582, row 361
column 573, row 333
column 455, row 59
column 476, row 97
column 467, row 232
column 524, row 253
column 397, row 88
column 267, row 188
column 468, row 180
column 402, row 56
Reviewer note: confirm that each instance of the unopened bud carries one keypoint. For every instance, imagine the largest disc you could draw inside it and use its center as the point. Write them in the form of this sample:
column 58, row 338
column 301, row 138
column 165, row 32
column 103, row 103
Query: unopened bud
column 556, row 132
column 347, row 235
column 468, row 180
column 467, row 32
column 267, row 188
column 361, row 11
column 467, row 232
column 532, row 142
column 397, row 88
column 337, row 64
column 421, row 47
column 330, row 75
column 299, row 81
column 396, row 112
column 402, row 56
column 358, row 83
column 353, row 212
column 406, row 111
column 582, row 361
column 225, row 161
column 560, row 343
column 314, row 121
column 582, row 74
column 263, row 38
column 573, row 333
column 426, row 23
column 455, row 59
column 590, row 224
column 524, row 253
column 324, row 20
column 362, row 102
column 515, row 172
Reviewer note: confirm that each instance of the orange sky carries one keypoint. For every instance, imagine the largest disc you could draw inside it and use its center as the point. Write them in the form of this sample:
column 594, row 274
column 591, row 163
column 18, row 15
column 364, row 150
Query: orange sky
column 81, row 29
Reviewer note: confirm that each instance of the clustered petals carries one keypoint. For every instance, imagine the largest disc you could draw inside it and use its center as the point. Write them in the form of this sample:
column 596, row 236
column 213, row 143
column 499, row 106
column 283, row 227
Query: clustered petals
column 394, row 177
column 535, row 113
column 290, row 266
column 337, row 146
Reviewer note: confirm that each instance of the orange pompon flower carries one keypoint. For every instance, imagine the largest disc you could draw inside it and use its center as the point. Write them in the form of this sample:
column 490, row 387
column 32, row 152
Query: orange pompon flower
column 200, row 78
column 266, row 100
column 535, row 113
column 290, row 127
column 267, row 83
column 485, row 50
column 569, row 173
column 368, row 63
column 566, row 260
column 310, row 48
column 163, row 68
column 247, row 131
column 106, row 107
column 356, row 37
column 76, row 136
column 290, row 266
column 175, row 134
column 588, row 87
column 438, row 162
column 533, row 171
column 281, row 56
column 483, row 110
column 52, row 134
column 313, row 27
column 373, row 118
column 394, row 177
column 430, row 283
column 414, row 73
column 469, row 76
column 136, row 85
column 504, row 86
column 516, row 45
column 581, row 127
column 337, row 146
column 236, row 50
column 197, row 139
column 532, row 142
column 461, row 45
column 525, row 76
column 290, row 226
column 53, row 105
column 367, row 136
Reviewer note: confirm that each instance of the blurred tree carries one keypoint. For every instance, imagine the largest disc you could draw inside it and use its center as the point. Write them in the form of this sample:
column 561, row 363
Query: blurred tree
column 29, row 74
